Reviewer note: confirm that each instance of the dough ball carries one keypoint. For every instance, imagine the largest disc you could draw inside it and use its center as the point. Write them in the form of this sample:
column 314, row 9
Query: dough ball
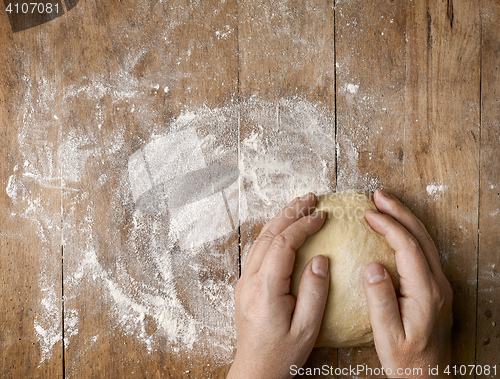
column 350, row 244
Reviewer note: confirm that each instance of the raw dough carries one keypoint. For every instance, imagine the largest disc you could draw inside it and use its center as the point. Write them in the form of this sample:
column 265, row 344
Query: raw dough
column 350, row 244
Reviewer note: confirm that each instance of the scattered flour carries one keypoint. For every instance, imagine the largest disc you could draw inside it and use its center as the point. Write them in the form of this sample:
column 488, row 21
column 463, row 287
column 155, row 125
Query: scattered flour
column 161, row 265
column 224, row 32
column 352, row 88
column 162, row 281
column 127, row 249
column 435, row 189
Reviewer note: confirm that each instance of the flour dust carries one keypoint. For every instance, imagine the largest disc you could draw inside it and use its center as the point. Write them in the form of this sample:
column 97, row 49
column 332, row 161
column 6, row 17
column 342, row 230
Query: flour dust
column 149, row 225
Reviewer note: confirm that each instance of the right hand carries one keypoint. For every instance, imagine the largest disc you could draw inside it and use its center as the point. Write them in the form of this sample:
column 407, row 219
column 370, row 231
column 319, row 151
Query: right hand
column 412, row 331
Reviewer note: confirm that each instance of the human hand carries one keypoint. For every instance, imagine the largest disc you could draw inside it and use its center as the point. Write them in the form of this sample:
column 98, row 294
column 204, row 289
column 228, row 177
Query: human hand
column 274, row 330
column 412, row 331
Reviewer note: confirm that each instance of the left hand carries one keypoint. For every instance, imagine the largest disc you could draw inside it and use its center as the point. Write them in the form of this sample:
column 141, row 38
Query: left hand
column 274, row 330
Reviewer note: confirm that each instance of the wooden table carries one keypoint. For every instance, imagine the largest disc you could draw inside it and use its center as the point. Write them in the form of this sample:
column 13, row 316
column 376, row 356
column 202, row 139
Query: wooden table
column 111, row 268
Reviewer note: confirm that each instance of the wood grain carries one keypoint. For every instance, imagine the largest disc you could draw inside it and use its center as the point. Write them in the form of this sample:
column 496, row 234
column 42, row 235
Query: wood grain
column 30, row 268
column 442, row 147
column 370, row 61
column 414, row 97
column 175, row 61
column 287, row 51
column 488, row 315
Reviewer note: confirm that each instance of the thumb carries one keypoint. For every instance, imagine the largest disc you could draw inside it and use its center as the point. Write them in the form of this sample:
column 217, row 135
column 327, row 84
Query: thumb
column 383, row 306
column 311, row 298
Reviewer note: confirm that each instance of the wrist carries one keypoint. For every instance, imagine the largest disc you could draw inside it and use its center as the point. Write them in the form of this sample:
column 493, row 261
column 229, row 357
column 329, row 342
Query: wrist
column 247, row 369
column 239, row 370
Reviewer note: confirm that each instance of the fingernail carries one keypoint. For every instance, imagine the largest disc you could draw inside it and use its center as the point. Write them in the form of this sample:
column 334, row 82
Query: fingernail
column 306, row 196
column 320, row 265
column 374, row 273
column 385, row 194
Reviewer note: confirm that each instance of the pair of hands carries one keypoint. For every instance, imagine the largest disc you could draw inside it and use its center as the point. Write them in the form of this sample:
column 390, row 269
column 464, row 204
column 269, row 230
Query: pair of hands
column 275, row 330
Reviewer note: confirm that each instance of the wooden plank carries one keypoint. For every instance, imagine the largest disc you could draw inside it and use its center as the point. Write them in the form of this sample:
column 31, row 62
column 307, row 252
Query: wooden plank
column 370, row 62
column 140, row 300
column 488, row 309
column 286, row 49
column 287, row 134
column 114, row 76
column 30, row 268
column 442, row 146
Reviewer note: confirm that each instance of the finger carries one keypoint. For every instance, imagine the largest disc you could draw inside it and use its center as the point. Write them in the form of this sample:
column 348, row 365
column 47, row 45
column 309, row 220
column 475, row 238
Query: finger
column 410, row 260
column 294, row 210
column 298, row 208
column 311, row 299
column 383, row 306
column 390, row 205
column 277, row 265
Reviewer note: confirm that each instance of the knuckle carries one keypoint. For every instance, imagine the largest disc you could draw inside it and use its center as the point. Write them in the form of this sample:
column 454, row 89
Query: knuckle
column 384, row 302
column 441, row 295
column 282, row 241
column 420, row 224
column 255, row 291
column 315, row 293
column 438, row 296
column 447, row 293
column 251, row 296
column 427, row 240
column 384, row 305
column 412, row 242
column 421, row 235
column 267, row 236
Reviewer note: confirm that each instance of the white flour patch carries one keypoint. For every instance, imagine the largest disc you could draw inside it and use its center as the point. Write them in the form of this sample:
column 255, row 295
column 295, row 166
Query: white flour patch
column 289, row 152
column 352, row 88
column 224, row 32
column 34, row 189
column 153, row 237
column 435, row 189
